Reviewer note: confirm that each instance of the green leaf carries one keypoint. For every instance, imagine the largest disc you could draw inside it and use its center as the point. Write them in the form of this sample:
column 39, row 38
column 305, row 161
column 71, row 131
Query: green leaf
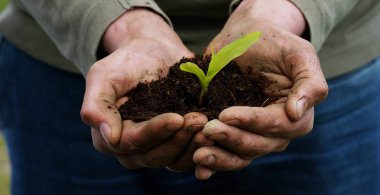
column 194, row 69
column 230, row 52
column 220, row 59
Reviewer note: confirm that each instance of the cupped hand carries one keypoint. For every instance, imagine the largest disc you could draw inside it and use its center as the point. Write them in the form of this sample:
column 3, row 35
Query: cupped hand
column 142, row 48
column 163, row 141
column 245, row 133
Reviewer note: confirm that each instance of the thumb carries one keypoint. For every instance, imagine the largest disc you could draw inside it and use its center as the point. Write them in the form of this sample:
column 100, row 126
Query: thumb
column 99, row 107
column 309, row 87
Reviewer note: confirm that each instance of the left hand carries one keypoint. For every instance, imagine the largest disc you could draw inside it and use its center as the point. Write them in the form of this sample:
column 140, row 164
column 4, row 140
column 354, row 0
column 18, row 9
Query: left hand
column 141, row 47
column 245, row 133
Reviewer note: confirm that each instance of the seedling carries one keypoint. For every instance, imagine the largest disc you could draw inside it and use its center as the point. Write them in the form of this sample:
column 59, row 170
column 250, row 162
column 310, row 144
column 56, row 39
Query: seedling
column 219, row 60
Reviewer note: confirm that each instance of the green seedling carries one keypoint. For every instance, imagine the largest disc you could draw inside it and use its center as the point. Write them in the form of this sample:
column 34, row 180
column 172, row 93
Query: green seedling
column 220, row 59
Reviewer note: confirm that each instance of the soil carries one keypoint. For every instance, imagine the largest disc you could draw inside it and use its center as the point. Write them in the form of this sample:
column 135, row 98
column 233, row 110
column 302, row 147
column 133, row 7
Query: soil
column 179, row 92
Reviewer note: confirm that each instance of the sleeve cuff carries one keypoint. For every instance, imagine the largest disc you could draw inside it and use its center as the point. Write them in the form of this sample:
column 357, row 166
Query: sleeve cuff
column 234, row 5
column 313, row 14
column 97, row 21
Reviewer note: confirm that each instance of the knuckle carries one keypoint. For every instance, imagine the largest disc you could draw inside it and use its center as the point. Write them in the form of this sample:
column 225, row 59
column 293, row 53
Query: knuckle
column 232, row 162
column 256, row 151
column 86, row 114
column 276, row 124
column 322, row 91
column 252, row 116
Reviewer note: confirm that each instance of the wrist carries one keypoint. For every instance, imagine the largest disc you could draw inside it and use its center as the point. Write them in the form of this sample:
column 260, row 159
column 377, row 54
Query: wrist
column 282, row 13
column 133, row 24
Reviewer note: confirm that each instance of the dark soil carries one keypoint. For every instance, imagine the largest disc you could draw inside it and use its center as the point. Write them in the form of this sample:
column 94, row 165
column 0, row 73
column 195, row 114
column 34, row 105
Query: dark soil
column 179, row 92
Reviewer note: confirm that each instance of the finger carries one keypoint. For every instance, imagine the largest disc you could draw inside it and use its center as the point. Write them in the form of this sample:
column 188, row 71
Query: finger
column 185, row 161
column 143, row 136
column 99, row 109
column 280, row 86
column 282, row 100
column 202, row 140
column 270, row 121
column 138, row 139
column 246, row 144
column 126, row 161
column 121, row 101
column 215, row 158
column 203, row 173
column 171, row 149
column 100, row 143
column 310, row 86
column 194, row 122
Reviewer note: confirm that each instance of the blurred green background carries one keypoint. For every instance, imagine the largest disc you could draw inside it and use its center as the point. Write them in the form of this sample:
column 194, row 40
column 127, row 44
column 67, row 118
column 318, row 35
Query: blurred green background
column 3, row 3
column 4, row 161
column 4, row 168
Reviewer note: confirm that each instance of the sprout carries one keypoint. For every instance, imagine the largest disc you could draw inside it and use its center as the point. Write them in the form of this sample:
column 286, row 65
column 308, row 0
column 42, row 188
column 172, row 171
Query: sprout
column 220, row 59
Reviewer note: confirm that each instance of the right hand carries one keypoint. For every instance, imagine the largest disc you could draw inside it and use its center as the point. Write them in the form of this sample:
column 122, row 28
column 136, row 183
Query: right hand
column 142, row 48
column 244, row 133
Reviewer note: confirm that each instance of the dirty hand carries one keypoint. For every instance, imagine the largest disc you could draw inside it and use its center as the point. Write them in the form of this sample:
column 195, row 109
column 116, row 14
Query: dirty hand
column 142, row 47
column 245, row 133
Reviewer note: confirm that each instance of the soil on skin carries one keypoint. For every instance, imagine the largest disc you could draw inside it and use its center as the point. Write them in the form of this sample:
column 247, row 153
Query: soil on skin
column 179, row 92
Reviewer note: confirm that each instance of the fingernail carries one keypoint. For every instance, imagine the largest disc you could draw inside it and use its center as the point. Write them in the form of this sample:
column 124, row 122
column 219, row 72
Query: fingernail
column 105, row 130
column 301, row 106
column 208, row 128
column 209, row 160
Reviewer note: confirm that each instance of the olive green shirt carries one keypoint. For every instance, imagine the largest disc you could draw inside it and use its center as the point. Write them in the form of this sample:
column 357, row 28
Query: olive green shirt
column 66, row 33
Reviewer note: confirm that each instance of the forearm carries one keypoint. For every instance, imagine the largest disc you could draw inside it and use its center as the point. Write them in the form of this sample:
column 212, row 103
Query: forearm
column 134, row 24
column 318, row 16
column 77, row 26
column 323, row 15
column 282, row 13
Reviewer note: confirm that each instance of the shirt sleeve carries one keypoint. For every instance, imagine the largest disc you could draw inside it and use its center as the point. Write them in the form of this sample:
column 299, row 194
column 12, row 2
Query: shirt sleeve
column 77, row 26
column 323, row 15
column 234, row 4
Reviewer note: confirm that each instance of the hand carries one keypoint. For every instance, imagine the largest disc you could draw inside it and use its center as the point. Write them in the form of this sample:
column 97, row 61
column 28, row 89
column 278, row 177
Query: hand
column 142, row 47
column 164, row 141
column 245, row 133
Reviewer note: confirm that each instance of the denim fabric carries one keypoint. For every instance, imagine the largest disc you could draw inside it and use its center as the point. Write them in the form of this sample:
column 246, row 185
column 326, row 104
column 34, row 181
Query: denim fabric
column 51, row 150
column 342, row 153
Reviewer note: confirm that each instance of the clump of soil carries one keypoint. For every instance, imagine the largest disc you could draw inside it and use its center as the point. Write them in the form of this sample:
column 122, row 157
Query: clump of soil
column 179, row 92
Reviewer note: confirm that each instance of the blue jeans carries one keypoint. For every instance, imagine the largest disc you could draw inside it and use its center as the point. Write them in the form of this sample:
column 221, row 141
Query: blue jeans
column 51, row 150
